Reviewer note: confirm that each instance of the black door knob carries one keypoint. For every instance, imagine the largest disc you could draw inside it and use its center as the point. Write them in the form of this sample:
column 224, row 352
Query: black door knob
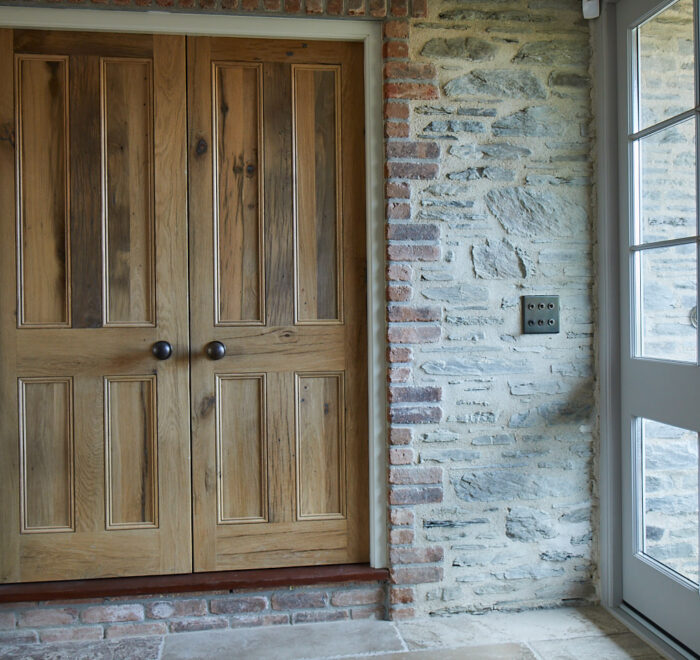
column 162, row 350
column 216, row 350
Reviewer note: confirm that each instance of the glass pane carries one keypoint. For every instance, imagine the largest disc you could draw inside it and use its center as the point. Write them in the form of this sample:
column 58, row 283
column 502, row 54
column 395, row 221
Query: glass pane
column 666, row 68
column 667, row 298
column 671, row 496
column 667, row 184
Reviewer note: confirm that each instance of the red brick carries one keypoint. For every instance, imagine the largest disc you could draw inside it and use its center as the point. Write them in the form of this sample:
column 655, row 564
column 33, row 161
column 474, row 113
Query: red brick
column 71, row 634
column 412, row 150
column 18, row 637
column 377, row 8
column 7, row 620
column 402, row 334
column 160, row 3
column 229, row 4
column 399, row 354
column 411, row 90
column 401, row 456
column 416, row 574
column 399, row 8
column 414, row 394
column 259, row 620
column 200, row 623
column 415, row 495
column 399, row 273
column 406, row 313
column 401, row 517
column 398, row 375
column 320, row 616
column 401, row 170
column 399, row 292
column 299, row 600
column 420, row 8
column 272, row 5
column 401, row 536
column 401, row 595
column 112, row 613
column 358, row 597
column 167, row 609
column 400, row 436
column 415, row 475
column 402, row 613
column 292, row 6
column 334, row 7
column 397, row 190
column 398, row 252
column 408, row 231
column 136, row 629
column 242, row 605
column 393, row 129
column 313, row 6
column 415, row 415
column 356, row 8
column 398, row 211
column 409, row 71
column 50, row 617
column 250, row 5
column 417, row 555
column 396, row 29
column 395, row 49
column 376, row 612
column 203, row 4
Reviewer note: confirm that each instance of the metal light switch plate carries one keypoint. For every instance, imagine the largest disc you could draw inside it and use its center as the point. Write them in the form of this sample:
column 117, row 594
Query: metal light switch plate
column 540, row 315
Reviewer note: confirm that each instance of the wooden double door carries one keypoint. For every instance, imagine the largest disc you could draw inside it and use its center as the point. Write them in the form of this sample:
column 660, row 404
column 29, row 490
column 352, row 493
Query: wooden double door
column 182, row 305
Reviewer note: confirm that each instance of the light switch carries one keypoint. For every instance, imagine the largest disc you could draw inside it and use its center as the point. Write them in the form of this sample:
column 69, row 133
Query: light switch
column 540, row 314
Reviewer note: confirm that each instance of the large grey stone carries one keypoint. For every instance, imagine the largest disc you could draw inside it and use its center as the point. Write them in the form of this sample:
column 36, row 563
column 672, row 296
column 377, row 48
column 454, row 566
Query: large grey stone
column 524, row 524
column 566, row 412
column 470, row 49
column 499, row 439
column 535, row 213
column 567, row 79
column 508, row 485
column 470, row 296
column 477, row 366
column 475, row 173
column 559, row 52
column 497, row 260
column 501, row 83
column 529, row 573
column 455, row 126
column 537, row 121
column 503, row 151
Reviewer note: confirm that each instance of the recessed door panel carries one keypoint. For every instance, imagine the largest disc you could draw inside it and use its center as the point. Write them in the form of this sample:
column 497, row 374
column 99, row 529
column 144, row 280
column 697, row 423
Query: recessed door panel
column 42, row 155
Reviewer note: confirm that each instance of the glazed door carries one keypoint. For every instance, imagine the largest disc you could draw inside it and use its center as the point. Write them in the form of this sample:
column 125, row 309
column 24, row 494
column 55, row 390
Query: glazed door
column 278, row 320
column 95, row 469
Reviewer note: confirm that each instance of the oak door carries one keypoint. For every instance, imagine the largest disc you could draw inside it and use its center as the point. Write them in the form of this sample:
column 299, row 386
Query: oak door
column 277, row 278
column 94, row 432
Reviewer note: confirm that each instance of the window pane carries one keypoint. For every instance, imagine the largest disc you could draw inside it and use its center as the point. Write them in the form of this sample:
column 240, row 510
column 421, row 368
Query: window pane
column 667, row 190
column 666, row 67
column 671, row 496
column 667, row 297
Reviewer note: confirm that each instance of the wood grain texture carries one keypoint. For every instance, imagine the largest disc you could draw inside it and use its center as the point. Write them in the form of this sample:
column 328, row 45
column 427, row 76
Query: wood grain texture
column 241, row 446
column 317, row 205
column 46, row 450
column 131, row 452
column 127, row 170
column 238, row 193
column 43, row 135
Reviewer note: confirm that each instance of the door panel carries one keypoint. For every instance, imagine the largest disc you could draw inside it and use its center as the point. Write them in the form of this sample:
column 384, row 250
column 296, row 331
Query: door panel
column 95, row 478
column 277, row 275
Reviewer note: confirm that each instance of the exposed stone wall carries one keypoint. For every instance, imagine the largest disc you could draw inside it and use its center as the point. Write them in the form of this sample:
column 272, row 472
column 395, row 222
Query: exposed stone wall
column 492, row 433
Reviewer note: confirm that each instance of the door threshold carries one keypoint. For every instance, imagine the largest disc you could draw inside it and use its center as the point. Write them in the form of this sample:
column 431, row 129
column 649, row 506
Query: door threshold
column 215, row 581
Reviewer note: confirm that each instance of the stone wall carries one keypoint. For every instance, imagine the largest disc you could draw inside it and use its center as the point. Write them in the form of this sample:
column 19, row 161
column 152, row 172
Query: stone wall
column 492, row 434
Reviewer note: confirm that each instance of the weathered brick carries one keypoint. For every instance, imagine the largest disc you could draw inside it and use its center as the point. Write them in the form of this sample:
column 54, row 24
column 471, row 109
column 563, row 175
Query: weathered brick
column 250, row 5
column 399, row 292
column 401, row 595
column 7, row 620
column 416, row 415
column 402, row 613
column 409, row 71
column 415, row 495
column 415, row 475
column 400, row 436
column 407, row 231
column 398, row 252
column 428, row 555
column 413, row 171
column 407, row 313
column 238, row 605
column 71, row 634
column 399, row 190
column 398, row 211
column 376, row 612
column 398, row 374
column 414, row 394
column 396, row 29
column 412, row 150
column 167, row 609
column 112, row 613
column 424, row 334
column 299, row 600
column 399, row 8
column 399, row 354
column 420, row 8
column 411, row 90
column 273, row 5
column 399, row 272
column 334, row 7
column 313, row 6
column 292, row 6
column 394, row 129
column 358, row 597
column 229, row 4
column 401, row 536
column 40, row 618
column 356, row 8
column 377, row 8
column 395, row 49
column 320, row 616
column 401, row 456
column 401, row 517
column 200, row 623
column 248, row 621
column 416, row 574
column 136, row 629
column 18, row 637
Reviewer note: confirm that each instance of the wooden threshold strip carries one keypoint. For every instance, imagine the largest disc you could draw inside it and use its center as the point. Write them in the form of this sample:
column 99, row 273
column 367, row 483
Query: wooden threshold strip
column 217, row 581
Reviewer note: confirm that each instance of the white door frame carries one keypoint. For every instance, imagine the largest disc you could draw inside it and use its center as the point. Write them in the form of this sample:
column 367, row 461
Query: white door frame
column 370, row 33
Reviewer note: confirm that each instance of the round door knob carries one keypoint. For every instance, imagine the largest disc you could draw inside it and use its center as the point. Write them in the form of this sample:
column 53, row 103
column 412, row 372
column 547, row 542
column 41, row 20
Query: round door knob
column 162, row 350
column 216, row 350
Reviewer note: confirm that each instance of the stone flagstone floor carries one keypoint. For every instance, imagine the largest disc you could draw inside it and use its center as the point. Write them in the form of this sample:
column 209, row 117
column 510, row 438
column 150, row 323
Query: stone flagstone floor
column 562, row 634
